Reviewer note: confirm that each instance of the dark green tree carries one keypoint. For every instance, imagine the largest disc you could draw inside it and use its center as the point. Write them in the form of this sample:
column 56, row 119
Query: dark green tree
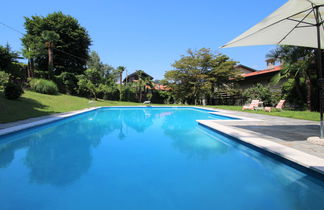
column 71, row 50
column 7, row 58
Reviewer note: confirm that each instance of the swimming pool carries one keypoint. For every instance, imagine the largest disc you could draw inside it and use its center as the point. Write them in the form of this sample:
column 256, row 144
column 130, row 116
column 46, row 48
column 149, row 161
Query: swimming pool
column 145, row 158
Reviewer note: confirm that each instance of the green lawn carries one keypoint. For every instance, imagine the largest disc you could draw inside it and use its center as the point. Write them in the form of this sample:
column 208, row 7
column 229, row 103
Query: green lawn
column 33, row 104
column 304, row 115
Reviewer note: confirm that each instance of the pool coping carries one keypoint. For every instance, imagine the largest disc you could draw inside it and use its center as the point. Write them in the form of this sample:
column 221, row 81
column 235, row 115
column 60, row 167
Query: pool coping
column 260, row 141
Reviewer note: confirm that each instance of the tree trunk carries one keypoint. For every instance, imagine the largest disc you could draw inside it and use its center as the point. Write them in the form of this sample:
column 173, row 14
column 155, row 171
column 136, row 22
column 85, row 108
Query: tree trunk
column 50, row 59
column 32, row 67
column 120, row 85
column 309, row 94
column 29, row 69
column 140, row 95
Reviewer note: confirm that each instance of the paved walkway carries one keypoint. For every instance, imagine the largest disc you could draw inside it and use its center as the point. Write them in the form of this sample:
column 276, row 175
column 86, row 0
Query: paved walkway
column 286, row 131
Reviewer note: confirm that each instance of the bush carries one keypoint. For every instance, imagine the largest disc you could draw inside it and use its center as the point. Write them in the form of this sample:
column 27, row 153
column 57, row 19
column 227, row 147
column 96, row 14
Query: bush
column 108, row 92
column 262, row 93
column 43, row 86
column 13, row 91
column 4, row 79
column 67, row 83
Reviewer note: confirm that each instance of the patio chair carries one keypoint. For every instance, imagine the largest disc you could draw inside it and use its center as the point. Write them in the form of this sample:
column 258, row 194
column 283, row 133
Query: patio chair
column 147, row 102
column 280, row 106
column 252, row 105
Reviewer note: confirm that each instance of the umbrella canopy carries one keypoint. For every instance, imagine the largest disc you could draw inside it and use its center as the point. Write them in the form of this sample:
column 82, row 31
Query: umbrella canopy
column 292, row 24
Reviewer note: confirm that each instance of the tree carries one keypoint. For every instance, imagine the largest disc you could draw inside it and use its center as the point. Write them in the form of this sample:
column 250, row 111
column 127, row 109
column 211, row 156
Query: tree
column 299, row 65
column 199, row 74
column 142, row 84
column 50, row 38
column 9, row 64
column 97, row 78
column 104, row 71
column 7, row 57
column 120, row 70
column 35, row 49
column 71, row 50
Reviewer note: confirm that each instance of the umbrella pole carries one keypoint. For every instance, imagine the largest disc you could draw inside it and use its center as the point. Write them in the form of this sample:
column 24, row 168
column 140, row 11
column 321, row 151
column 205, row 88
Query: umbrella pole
column 320, row 75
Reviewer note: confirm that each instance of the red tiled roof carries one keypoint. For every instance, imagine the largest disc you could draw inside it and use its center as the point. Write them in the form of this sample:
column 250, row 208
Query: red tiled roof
column 158, row 87
column 260, row 72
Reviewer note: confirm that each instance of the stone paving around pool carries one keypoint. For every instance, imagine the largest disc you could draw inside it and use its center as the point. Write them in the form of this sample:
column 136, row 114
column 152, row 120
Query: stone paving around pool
column 286, row 131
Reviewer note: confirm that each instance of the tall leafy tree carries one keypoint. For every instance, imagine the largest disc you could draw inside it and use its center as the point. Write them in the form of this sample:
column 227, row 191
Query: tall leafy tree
column 71, row 49
column 298, row 65
column 105, row 71
column 199, row 74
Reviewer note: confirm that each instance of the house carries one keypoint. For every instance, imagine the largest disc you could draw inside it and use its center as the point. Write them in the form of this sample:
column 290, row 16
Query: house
column 135, row 76
column 251, row 77
column 244, row 69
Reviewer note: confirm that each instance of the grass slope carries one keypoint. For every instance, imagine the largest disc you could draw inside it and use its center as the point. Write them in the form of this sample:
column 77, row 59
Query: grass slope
column 304, row 115
column 33, row 104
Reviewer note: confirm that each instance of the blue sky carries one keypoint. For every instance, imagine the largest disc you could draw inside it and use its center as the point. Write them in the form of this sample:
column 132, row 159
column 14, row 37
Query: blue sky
column 151, row 35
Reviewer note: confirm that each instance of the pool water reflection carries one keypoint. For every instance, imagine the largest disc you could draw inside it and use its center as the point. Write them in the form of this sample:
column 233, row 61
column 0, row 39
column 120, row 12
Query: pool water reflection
column 144, row 158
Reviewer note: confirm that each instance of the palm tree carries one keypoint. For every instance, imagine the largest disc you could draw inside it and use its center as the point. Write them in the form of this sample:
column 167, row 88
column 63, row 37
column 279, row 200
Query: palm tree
column 120, row 70
column 142, row 84
column 298, row 62
column 50, row 38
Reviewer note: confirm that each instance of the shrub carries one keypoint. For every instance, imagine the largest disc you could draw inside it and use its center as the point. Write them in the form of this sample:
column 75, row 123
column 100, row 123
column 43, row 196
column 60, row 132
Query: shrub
column 108, row 92
column 262, row 93
column 43, row 86
column 12, row 91
column 67, row 83
column 4, row 79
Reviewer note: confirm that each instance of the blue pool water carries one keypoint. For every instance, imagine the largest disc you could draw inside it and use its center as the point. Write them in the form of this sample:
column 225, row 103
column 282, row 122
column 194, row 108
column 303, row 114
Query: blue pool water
column 145, row 158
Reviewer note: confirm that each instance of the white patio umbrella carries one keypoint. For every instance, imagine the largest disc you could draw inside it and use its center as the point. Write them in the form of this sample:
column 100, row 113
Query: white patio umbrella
column 297, row 23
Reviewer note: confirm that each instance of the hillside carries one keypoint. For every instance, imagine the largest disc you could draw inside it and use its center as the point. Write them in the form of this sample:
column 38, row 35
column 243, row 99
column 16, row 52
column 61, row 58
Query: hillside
column 33, row 104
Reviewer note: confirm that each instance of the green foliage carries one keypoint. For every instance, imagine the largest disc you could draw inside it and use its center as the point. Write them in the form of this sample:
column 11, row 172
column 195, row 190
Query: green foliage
column 67, row 83
column 97, row 80
column 4, row 79
column 161, row 97
column 108, row 92
column 300, row 69
column 7, row 58
column 86, row 87
column 104, row 71
column 13, row 91
column 142, row 85
column 199, row 74
column 129, row 94
column 262, row 93
column 9, row 63
column 43, row 86
column 292, row 91
column 71, row 49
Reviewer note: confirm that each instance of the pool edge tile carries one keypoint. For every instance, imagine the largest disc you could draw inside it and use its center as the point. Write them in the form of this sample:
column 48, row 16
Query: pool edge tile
column 260, row 141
